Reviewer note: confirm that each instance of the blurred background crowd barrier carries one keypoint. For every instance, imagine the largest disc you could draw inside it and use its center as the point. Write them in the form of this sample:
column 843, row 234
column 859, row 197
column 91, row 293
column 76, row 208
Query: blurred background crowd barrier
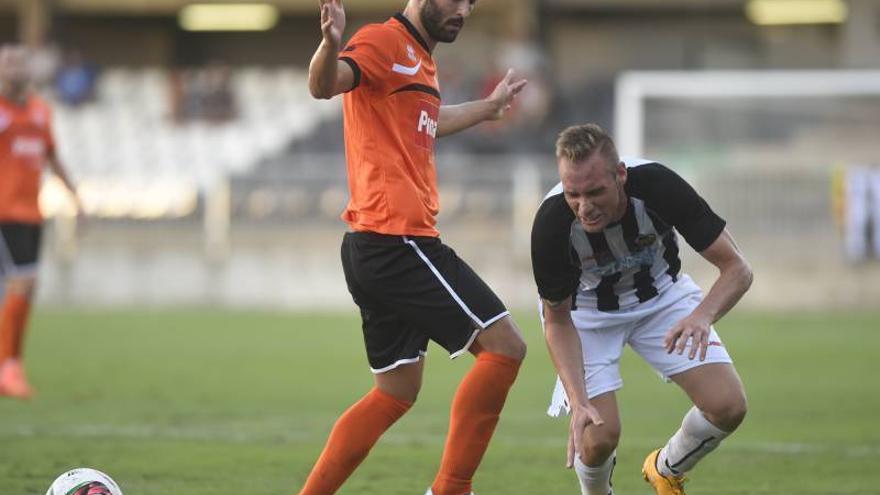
column 212, row 177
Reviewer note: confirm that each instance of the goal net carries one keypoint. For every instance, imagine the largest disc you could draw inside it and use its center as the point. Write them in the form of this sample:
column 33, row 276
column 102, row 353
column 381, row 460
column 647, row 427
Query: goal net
column 771, row 151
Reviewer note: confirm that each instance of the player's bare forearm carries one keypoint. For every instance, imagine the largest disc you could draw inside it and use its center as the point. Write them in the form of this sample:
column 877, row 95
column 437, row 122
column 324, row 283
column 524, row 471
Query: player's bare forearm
column 565, row 349
column 456, row 118
column 734, row 278
column 59, row 171
column 728, row 289
column 323, row 71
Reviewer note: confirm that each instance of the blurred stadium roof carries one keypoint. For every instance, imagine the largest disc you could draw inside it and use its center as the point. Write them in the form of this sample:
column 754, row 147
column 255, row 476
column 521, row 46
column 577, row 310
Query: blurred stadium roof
column 157, row 7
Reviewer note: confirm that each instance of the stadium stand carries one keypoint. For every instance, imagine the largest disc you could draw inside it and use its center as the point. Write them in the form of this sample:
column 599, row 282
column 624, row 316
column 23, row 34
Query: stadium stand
column 129, row 133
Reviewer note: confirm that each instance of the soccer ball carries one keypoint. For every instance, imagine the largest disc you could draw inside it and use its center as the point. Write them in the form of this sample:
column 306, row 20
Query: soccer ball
column 84, row 481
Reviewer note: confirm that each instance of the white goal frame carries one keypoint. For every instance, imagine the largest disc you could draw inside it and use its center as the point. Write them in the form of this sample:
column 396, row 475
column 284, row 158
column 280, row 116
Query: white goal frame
column 633, row 88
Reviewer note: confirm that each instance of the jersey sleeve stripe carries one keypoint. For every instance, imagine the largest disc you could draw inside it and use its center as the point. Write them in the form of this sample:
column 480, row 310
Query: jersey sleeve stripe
column 354, row 68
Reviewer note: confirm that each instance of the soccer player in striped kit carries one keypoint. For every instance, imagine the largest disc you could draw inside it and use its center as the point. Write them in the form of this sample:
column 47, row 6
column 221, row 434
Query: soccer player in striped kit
column 606, row 261
column 26, row 147
column 410, row 287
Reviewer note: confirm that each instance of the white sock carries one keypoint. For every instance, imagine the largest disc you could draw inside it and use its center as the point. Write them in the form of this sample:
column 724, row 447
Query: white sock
column 595, row 480
column 696, row 438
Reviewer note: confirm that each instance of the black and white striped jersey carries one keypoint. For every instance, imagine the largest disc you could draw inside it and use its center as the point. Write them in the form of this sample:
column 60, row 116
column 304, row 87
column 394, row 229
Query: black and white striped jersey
column 632, row 260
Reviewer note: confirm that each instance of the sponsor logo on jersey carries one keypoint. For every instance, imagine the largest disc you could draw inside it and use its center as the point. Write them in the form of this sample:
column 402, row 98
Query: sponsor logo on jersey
column 426, row 124
column 411, row 53
column 607, row 264
column 645, row 240
column 30, row 147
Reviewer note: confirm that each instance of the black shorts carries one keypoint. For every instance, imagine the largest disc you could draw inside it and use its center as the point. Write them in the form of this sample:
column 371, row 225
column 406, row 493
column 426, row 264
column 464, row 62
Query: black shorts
column 19, row 248
column 411, row 290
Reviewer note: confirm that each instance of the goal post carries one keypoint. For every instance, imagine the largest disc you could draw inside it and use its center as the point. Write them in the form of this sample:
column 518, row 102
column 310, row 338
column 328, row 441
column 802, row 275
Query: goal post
column 767, row 149
column 633, row 89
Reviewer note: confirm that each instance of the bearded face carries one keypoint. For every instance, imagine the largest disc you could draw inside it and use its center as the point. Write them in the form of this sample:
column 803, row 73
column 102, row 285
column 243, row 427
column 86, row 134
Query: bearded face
column 444, row 19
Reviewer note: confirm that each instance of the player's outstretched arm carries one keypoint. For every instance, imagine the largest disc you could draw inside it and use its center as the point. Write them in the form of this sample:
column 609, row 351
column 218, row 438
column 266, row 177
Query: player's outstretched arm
column 565, row 350
column 734, row 279
column 61, row 173
column 456, row 118
column 328, row 76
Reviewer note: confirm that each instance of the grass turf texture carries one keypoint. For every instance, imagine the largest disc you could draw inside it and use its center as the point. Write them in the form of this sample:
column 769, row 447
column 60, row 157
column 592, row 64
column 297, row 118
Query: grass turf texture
column 215, row 403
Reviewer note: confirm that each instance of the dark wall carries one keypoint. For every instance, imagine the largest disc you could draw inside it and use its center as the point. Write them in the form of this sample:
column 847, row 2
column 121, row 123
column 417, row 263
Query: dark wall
column 292, row 41
column 137, row 41
column 8, row 28
column 118, row 40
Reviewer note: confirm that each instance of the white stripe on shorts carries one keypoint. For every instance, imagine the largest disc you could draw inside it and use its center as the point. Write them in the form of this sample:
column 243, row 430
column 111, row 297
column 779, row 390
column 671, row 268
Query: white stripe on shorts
column 483, row 324
column 467, row 346
column 399, row 362
column 464, row 307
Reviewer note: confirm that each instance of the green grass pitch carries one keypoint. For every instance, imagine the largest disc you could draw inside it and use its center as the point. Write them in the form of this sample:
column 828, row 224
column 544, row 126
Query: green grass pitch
column 221, row 403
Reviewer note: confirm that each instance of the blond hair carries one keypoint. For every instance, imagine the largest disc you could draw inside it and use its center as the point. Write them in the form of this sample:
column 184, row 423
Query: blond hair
column 579, row 142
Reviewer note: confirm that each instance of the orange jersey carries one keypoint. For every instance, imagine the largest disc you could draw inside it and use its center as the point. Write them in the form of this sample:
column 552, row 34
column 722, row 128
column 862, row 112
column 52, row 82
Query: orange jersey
column 25, row 143
column 391, row 119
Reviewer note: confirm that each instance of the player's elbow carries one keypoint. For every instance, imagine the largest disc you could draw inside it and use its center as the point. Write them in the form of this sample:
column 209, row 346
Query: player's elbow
column 319, row 93
column 738, row 272
column 319, row 89
column 747, row 276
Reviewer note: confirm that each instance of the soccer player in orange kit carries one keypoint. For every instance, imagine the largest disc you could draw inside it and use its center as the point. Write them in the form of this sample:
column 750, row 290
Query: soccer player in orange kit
column 26, row 146
column 409, row 286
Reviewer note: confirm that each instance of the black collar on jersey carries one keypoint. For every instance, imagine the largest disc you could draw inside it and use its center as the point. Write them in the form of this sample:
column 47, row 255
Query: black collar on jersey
column 412, row 30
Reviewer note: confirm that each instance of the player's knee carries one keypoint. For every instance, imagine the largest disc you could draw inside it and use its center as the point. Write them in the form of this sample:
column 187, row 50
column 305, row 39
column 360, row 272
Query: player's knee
column 402, row 383
column 736, row 412
column 516, row 348
column 409, row 396
column 599, row 445
column 23, row 286
column 730, row 413
column 503, row 337
column 407, row 393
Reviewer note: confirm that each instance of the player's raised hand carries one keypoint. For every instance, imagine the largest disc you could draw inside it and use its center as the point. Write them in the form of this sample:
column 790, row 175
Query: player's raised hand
column 505, row 93
column 332, row 21
column 582, row 415
column 693, row 328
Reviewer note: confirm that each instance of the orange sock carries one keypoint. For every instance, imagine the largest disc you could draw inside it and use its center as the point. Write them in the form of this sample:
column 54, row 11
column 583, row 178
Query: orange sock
column 353, row 435
column 475, row 411
column 13, row 321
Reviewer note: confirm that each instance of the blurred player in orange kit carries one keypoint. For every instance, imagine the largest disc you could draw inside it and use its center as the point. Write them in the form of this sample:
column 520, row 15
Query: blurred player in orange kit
column 26, row 146
column 410, row 287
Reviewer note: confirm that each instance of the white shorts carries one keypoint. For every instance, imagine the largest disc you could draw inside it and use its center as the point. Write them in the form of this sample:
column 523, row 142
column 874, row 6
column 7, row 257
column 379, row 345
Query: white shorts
column 603, row 336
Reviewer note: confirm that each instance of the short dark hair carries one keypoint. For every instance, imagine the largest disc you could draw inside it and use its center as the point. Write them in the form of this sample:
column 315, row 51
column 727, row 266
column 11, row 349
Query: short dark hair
column 579, row 142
